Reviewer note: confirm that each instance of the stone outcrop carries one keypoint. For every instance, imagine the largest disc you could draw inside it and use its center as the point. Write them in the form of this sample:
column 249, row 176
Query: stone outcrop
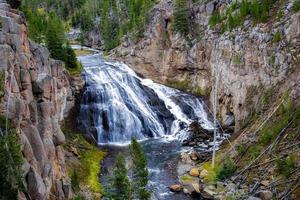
column 37, row 96
column 246, row 60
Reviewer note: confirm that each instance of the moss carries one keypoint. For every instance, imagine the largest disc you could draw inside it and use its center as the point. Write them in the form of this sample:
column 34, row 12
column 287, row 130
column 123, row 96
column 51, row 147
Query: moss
column 184, row 86
column 88, row 168
column 187, row 179
column 238, row 60
column 82, row 52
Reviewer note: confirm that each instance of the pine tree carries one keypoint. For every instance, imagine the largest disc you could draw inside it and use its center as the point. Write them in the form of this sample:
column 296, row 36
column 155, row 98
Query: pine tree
column 70, row 57
column 55, row 37
column 140, row 171
column 10, row 166
column 181, row 17
column 119, row 185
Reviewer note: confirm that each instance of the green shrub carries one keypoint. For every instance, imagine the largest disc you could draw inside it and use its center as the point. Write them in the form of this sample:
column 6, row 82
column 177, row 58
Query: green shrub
column 277, row 37
column 254, row 151
column 227, row 169
column 286, row 165
column 296, row 6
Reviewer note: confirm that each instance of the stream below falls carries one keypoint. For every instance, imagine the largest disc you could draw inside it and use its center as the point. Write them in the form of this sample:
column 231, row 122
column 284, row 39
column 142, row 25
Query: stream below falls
column 118, row 105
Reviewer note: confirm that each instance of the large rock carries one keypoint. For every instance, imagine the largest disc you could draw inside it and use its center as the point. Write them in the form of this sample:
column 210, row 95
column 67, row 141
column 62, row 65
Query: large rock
column 265, row 194
column 175, row 188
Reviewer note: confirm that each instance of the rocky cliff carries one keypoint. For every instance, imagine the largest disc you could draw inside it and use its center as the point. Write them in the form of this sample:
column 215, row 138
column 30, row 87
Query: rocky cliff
column 37, row 97
column 244, row 63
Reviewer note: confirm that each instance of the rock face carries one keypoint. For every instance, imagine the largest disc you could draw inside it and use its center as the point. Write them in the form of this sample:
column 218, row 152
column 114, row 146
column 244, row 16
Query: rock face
column 246, row 60
column 37, row 97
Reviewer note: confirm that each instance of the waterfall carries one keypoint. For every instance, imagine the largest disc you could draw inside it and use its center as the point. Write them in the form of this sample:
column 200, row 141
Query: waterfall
column 118, row 105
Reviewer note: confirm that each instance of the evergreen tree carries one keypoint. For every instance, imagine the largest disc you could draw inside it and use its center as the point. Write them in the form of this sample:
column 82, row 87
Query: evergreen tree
column 70, row 57
column 55, row 37
column 119, row 185
column 140, row 171
column 181, row 17
column 10, row 166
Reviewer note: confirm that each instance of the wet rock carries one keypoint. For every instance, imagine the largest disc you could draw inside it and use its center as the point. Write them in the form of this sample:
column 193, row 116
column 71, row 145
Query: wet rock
column 197, row 134
column 175, row 188
column 194, row 172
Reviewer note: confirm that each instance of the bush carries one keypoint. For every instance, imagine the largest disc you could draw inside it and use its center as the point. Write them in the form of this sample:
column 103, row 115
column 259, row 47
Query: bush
column 227, row 169
column 286, row 165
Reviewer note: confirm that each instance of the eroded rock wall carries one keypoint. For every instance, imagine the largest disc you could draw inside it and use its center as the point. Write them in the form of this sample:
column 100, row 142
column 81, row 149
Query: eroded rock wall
column 247, row 60
column 37, row 97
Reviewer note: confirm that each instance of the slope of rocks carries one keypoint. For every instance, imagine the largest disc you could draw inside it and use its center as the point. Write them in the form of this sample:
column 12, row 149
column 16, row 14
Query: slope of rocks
column 38, row 96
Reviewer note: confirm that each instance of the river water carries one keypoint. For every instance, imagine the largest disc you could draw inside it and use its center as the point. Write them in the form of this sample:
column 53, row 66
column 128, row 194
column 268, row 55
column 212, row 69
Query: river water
column 117, row 105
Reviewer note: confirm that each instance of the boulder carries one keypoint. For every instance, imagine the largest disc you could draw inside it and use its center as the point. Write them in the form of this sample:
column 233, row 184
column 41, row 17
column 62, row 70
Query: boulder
column 265, row 194
column 194, row 172
column 175, row 188
column 203, row 173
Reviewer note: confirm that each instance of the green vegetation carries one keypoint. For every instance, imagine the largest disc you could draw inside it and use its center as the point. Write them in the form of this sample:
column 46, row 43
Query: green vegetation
column 227, row 169
column 10, row 164
column 286, row 165
column 75, row 182
column 277, row 37
column 215, row 18
column 181, row 17
column 234, row 17
column 296, row 6
column 119, row 187
column 85, row 172
column 47, row 28
column 139, row 170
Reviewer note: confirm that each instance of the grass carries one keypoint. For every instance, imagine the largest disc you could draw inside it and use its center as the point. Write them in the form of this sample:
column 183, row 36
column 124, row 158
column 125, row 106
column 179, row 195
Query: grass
column 212, row 172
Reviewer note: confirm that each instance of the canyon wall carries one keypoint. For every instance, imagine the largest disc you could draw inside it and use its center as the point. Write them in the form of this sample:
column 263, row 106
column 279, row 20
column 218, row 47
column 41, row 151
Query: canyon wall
column 37, row 96
column 246, row 61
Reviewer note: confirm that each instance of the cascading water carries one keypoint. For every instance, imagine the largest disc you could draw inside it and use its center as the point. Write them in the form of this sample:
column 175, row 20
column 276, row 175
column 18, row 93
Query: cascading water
column 118, row 105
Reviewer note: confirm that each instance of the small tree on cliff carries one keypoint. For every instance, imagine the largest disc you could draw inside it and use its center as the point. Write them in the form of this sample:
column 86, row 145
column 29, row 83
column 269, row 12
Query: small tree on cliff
column 10, row 166
column 181, row 17
column 139, row 170
column 119, row 185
